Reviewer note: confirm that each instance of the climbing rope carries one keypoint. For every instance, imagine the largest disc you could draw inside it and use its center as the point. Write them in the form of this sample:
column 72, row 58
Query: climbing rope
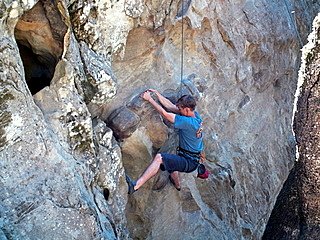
column 182, row 43
column 293, row 23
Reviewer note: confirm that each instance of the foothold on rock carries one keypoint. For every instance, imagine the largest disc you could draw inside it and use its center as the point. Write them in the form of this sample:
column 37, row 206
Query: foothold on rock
column 161, row 181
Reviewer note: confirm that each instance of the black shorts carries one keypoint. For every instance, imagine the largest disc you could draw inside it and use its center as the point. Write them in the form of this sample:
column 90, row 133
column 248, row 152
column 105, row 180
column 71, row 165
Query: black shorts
column 172, row 162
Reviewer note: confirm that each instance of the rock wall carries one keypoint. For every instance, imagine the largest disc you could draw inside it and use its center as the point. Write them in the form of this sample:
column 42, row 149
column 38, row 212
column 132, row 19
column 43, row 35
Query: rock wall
column 307, row 125
column 62, row 171
column 299, row 199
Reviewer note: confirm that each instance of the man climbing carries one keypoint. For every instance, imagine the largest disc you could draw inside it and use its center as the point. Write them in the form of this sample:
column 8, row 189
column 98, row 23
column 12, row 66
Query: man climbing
column 189, row 123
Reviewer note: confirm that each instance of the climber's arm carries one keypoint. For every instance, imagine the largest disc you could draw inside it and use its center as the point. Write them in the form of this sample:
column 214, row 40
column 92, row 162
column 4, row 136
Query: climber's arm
column 165, row 102
column 169, row 116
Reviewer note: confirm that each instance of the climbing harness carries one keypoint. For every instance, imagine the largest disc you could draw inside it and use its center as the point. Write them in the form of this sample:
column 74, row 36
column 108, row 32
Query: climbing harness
column 187, row 154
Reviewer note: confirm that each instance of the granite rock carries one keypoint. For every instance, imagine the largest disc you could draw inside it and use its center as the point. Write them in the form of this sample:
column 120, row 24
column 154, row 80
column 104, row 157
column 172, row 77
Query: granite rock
column 62, row 171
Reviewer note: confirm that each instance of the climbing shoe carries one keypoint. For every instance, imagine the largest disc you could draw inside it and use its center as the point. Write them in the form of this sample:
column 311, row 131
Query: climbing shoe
column 172, row 181
column 131, row 185
column 203, row 173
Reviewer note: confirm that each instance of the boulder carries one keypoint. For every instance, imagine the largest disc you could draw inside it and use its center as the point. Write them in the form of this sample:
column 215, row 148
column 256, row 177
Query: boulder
column 123, row 122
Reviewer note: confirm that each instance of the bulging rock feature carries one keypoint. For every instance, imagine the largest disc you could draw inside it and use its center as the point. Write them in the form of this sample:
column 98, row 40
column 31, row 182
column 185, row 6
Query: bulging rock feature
column 39, row 33
column 123, row 122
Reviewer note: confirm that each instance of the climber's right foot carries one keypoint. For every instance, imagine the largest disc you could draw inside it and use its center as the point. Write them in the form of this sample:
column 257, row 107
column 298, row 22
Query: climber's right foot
column 131, row 185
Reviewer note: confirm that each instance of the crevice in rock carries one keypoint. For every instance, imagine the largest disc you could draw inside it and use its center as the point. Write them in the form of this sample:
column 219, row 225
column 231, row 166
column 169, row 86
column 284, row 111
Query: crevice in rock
column 39, row 35
column 225, row 36
column 37, row 74
column 284, row 222
column 106, row 194
column 7, row 233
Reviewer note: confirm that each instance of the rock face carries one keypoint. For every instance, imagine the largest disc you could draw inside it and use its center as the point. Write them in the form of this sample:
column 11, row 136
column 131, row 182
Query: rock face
column 307, row 130
column 56, row 166
column 65, row 87
column 300, row 197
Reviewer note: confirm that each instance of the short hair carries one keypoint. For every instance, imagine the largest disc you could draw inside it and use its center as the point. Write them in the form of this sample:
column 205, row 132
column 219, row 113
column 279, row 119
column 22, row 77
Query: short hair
column 186, row 101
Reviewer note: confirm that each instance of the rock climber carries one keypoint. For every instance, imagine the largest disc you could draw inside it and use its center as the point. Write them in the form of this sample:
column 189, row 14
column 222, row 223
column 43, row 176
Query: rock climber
column 189, row 125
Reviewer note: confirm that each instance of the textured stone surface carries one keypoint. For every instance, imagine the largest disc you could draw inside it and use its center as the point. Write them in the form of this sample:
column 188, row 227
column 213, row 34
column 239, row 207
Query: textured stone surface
column 307, row 131
column 58, row 158
column 123, row 122
column 55, row 168
column 300, row 198
column 246, row 83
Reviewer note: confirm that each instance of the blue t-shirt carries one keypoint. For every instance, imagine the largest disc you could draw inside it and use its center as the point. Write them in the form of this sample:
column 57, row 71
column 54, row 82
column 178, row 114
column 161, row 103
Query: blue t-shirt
column 188, row 128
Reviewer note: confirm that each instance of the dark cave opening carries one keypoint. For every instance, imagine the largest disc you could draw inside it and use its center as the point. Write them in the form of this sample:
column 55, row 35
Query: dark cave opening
column 39, row 34
column 106, row 193
column 38, row 73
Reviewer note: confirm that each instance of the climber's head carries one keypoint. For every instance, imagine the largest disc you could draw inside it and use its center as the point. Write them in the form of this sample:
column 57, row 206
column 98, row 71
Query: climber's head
column 186, row 101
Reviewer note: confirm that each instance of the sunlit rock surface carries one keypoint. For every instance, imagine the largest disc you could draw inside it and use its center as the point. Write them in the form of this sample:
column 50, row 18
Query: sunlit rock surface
column 62, row 171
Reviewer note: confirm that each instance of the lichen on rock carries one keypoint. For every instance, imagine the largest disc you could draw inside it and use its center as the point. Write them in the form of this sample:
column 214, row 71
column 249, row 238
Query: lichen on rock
column 5, row 119
column 103, row 25
column 134, row 8
column 79, row 128
column 99, row 75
